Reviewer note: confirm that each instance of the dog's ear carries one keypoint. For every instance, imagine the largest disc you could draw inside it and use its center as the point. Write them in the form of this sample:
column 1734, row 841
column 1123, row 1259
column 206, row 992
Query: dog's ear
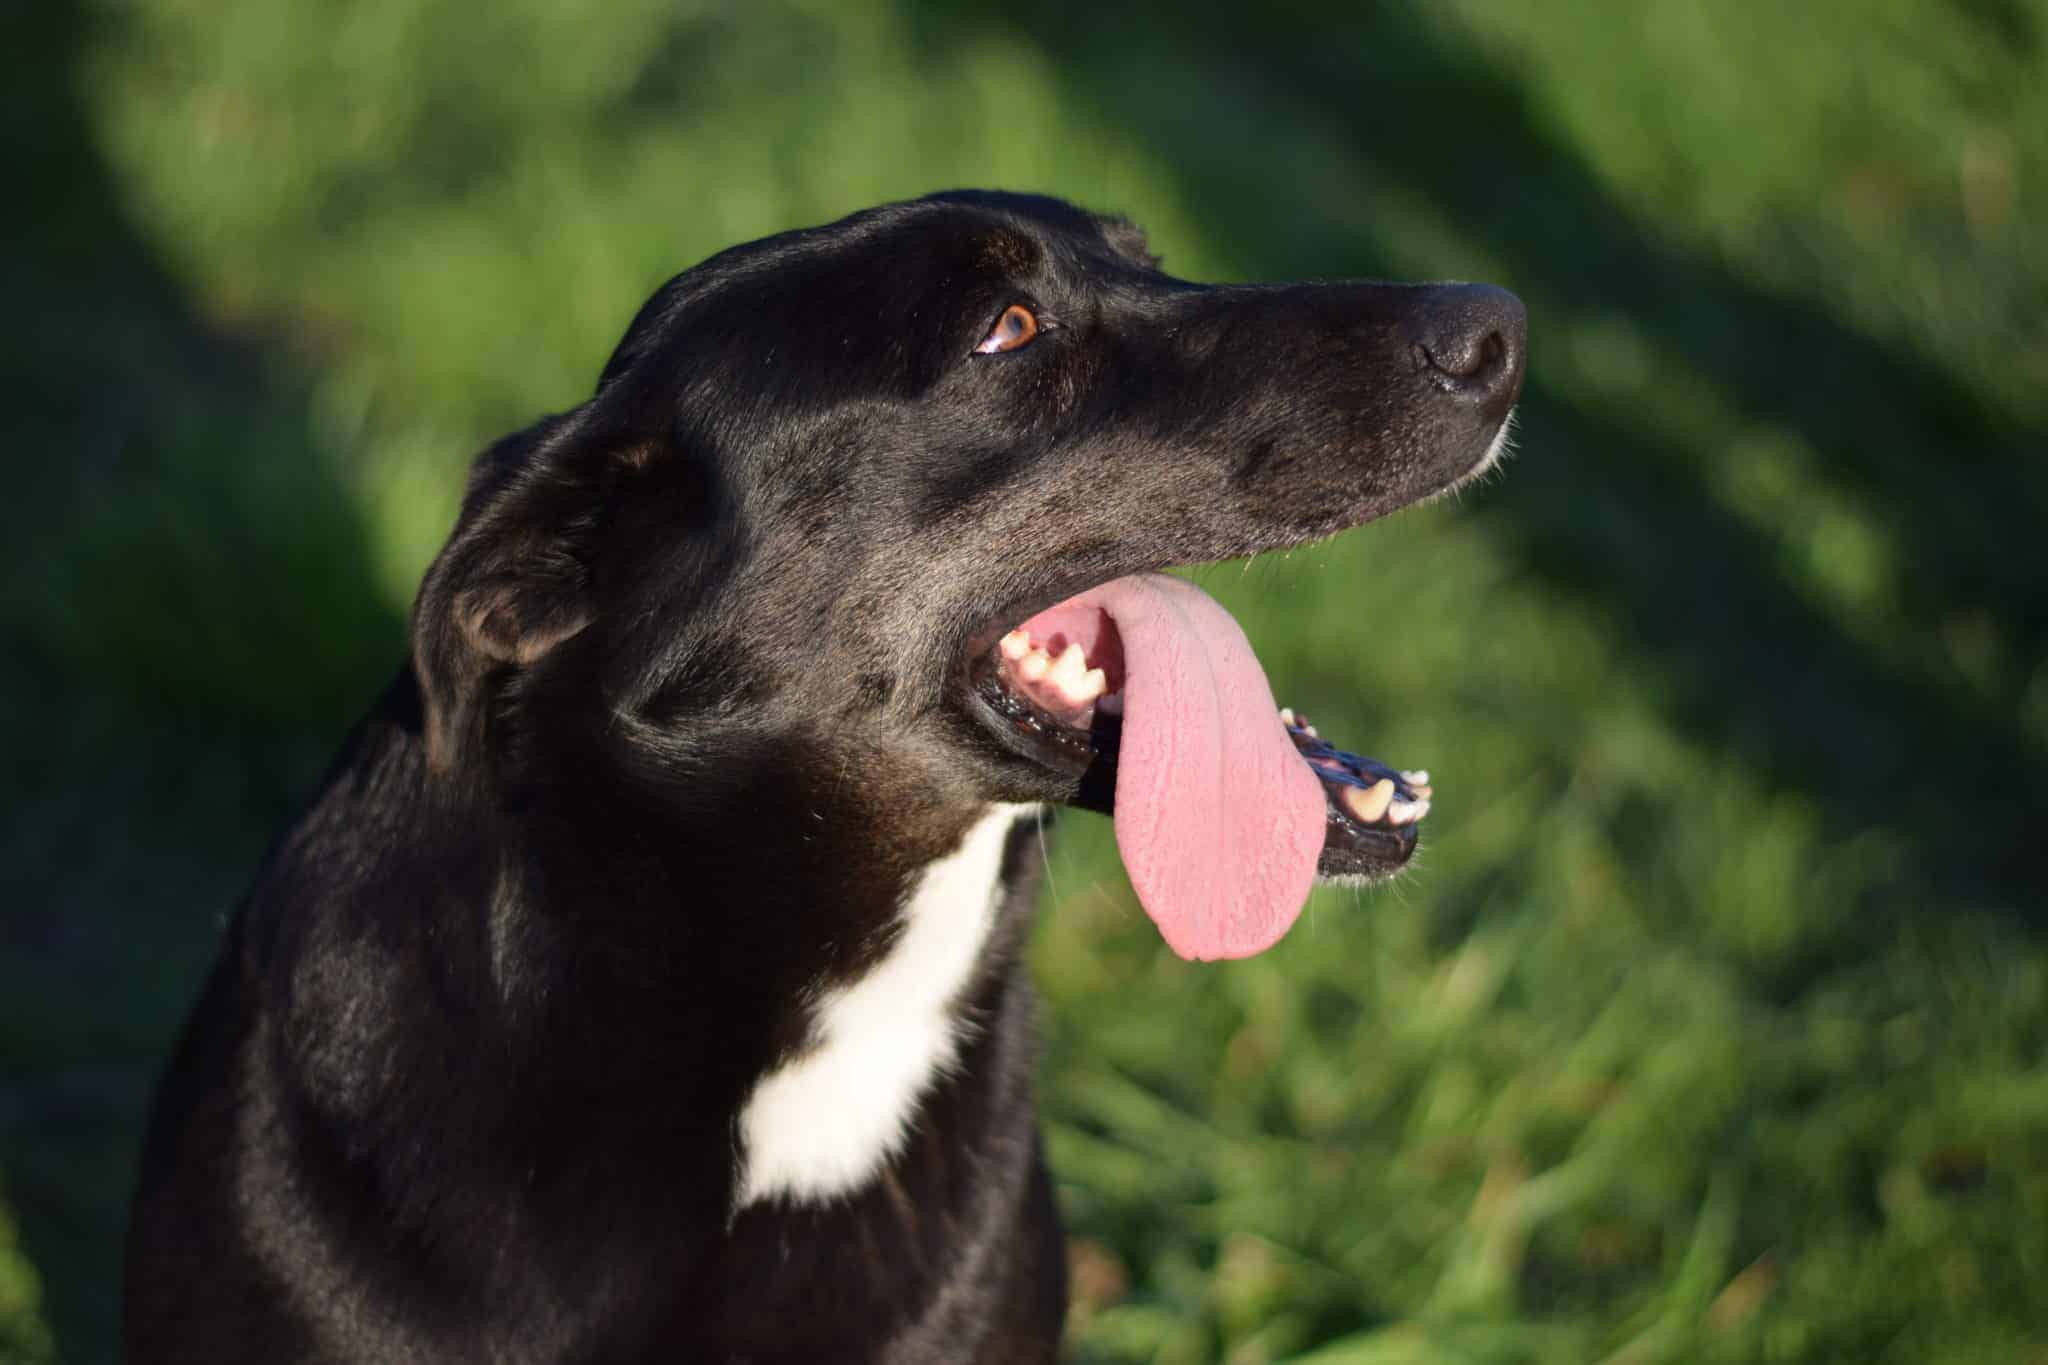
column 512, row 583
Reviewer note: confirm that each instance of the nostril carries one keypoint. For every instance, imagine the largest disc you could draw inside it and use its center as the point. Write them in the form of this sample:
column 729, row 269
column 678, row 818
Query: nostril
column 1470, row 362
column 1470, row 339
column 1493, row 354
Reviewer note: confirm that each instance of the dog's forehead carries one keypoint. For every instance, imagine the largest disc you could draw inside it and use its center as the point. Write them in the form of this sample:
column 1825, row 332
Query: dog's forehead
column 1006, row 249
column 1023, row 234
column 960, row 247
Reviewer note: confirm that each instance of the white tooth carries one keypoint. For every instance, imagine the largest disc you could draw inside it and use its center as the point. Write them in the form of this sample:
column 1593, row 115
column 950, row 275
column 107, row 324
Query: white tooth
column 1311, row 732
column 1287, row 715
column 1111, row 705
column 1016, row 645
column 1093, row 684
column 1067, row 673
column 1407, row 812
column 1033, row 666
column 1370, row 803
column 1418, row 778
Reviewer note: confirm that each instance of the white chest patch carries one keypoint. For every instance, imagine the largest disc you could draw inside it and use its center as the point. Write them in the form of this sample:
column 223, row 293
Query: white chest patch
column 824, row 1124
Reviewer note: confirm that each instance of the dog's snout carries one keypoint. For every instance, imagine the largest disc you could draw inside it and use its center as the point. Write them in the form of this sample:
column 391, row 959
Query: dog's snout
column 1472, row 338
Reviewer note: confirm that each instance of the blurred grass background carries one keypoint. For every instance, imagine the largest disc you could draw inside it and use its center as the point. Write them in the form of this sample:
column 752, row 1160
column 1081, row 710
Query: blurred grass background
column 1712, row 1025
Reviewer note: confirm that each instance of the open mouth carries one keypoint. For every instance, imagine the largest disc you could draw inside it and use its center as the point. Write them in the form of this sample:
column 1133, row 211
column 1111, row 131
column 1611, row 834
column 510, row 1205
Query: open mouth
column 1227, row 807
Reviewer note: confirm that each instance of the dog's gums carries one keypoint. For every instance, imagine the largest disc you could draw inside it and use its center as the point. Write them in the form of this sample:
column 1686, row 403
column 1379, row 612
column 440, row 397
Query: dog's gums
column 1068, row 683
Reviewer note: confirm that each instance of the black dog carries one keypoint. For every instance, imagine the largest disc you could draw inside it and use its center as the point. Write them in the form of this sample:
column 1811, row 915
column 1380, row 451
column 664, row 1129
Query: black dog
column 643, row 983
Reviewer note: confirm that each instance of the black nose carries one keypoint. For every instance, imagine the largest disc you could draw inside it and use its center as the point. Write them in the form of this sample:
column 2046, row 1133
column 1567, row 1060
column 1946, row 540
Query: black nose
column 1472, row 339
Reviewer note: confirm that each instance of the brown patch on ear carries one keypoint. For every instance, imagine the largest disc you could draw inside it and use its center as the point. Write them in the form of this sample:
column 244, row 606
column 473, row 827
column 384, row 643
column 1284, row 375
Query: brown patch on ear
column 511, row 618
column 502, row 624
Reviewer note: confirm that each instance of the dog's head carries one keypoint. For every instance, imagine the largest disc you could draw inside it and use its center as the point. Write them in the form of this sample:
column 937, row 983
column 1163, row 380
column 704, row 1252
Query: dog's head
column 885, row 500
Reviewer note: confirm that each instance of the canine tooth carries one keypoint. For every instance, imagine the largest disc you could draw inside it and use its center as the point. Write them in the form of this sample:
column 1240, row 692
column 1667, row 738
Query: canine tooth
column 1407, row 812
column 1067, row 672
column 1287, row 715
column 1034, row 666
column 1016, row 645
column 1371, row 803
column 1418, row 778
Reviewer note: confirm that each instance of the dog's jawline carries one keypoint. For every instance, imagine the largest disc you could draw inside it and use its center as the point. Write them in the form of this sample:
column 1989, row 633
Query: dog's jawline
column 824, row 1124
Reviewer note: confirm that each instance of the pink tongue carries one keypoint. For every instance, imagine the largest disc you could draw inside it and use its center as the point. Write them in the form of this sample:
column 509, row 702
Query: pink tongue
column 1219, row 820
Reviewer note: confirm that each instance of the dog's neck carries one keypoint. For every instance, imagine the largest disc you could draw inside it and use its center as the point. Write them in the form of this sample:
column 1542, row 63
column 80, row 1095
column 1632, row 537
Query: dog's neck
column 811, row 954
column 824, row 1123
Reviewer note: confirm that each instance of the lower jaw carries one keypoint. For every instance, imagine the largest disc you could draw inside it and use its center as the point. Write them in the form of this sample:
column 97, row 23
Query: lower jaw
column 1373, row 811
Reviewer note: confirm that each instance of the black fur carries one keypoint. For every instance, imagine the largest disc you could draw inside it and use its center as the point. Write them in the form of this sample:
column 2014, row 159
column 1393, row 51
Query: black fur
column 687, row 711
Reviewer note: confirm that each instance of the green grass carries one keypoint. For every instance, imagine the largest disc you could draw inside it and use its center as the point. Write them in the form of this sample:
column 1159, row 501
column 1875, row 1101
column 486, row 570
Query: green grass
column 1713, row 1025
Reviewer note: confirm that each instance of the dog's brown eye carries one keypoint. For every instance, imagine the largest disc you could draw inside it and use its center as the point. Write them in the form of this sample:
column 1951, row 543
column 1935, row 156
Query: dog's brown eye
column 1014, row 328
